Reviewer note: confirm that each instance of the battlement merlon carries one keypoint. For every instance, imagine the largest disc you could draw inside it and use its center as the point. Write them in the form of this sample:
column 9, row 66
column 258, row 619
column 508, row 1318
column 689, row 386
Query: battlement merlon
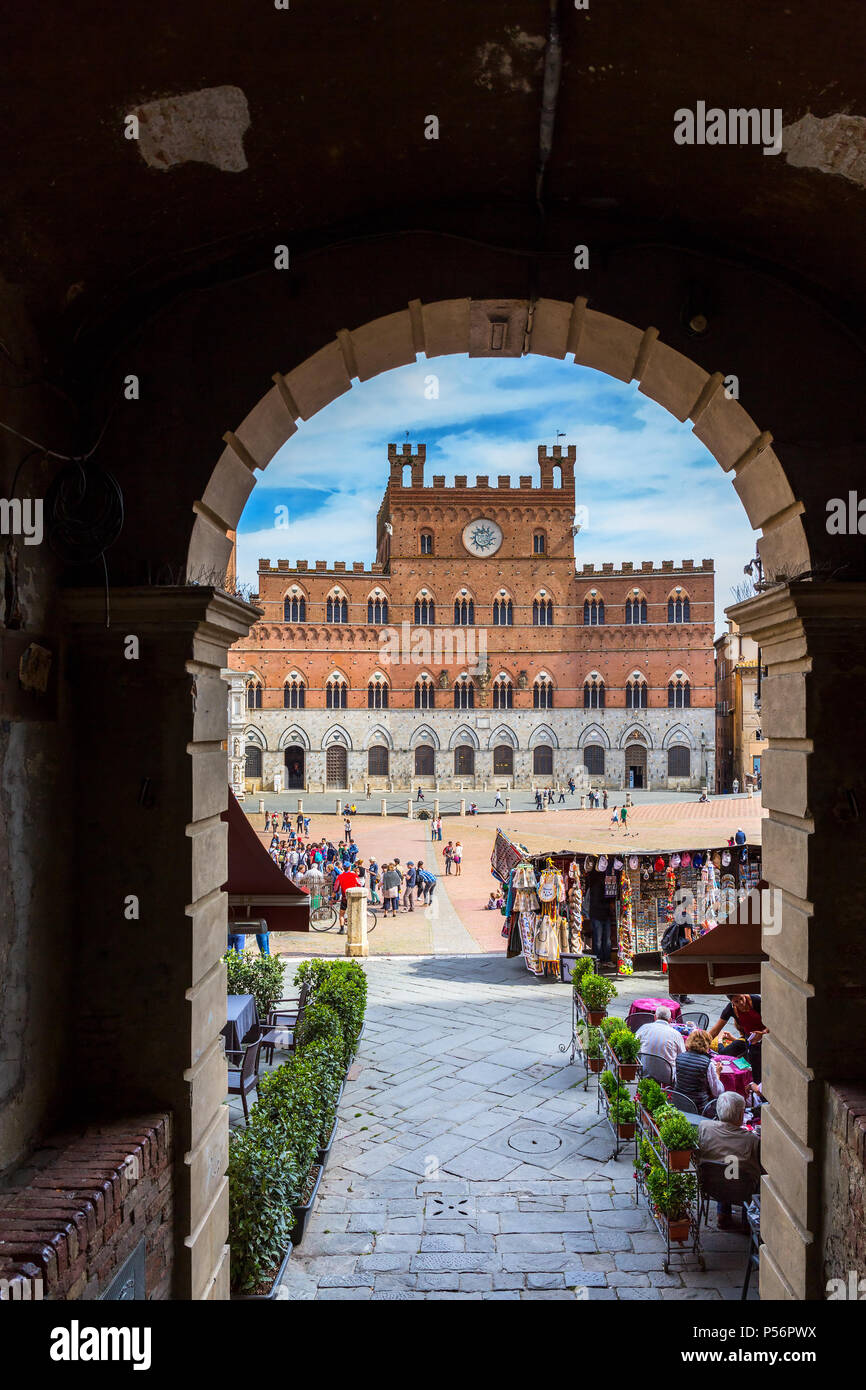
column 400, row 456
column 647, row 568
column 549, row 459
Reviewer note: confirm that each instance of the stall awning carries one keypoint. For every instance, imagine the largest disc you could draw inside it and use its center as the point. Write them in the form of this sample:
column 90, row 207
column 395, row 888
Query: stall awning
column 726, row 960
column 257, row 887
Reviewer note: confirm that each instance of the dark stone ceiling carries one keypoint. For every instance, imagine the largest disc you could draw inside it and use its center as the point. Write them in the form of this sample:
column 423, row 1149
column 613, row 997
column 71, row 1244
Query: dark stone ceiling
column 337, row 95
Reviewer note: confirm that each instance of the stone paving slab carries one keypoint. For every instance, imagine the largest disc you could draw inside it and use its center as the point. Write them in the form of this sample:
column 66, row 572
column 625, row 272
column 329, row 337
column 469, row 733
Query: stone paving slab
column 425, row 1198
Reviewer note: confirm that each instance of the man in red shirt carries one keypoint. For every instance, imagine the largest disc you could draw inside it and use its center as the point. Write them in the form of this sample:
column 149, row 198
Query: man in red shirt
column 343, row 881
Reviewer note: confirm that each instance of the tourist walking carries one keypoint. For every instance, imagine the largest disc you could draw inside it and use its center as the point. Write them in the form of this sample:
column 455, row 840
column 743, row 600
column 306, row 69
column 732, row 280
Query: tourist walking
column 437, row 826
column 538, row 803
column 604, row 801
column 448, row 853
column 561, row 793
column 458, row 857
column 390, row 889
column 736, row 785
column 375, row 878
column 409, row 888
column 498, row 801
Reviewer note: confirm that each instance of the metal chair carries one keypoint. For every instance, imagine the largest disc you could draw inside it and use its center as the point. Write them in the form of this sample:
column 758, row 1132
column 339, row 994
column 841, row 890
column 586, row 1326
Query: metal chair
column 245, row 1078
column 638, row 1019
column 713, row 1186
column 709, row 1111
column 753, row 1216
column 287, row 1014
column 700, row 1020
column 659, row 1068
column 682, row 1102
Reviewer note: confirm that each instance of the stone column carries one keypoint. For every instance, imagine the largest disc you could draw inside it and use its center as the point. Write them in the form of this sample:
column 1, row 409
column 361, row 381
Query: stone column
column 338, row 809
column 356, row 922
column 384, row 811
column 300, row 803
column 508, row 813
column 812, row 637
column 463, row 806
column 410, row 809
column 151, row 940
column 435, row 807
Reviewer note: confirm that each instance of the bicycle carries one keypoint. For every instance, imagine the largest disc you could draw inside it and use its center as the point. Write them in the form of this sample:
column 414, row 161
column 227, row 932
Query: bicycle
column 324, row 915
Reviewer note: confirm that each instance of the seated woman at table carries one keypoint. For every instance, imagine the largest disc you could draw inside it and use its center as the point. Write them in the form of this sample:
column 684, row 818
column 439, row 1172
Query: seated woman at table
column 745, row 1012
column 697, row 1075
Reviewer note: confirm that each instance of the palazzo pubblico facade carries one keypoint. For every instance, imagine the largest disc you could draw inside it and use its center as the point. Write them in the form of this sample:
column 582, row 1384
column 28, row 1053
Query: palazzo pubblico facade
column 475, row 651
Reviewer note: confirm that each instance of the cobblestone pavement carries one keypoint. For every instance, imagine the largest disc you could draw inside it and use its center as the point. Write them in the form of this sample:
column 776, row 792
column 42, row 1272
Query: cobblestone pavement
column 470, row 1163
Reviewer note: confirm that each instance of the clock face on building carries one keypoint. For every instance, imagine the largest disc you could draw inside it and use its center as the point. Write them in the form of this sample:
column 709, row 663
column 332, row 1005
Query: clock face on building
column 482, row 537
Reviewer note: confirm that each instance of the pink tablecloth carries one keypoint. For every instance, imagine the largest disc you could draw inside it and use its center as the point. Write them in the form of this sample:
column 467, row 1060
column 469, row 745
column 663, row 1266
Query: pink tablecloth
column 735, row 1078
column 649, row 1006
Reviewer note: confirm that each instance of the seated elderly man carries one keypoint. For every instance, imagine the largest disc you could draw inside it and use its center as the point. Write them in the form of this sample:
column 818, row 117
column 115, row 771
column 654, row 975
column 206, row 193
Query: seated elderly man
column 660, row 1039
column 725, row 1141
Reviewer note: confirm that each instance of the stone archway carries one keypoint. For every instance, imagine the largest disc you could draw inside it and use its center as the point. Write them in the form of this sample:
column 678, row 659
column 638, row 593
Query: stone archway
column 743, row 449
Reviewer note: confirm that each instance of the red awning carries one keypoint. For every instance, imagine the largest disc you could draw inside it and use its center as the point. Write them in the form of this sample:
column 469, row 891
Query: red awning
column 257, row 887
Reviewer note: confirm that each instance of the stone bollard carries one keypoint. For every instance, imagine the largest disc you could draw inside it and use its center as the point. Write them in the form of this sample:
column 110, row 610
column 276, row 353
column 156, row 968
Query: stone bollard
column 463, row 806
column 356, row 923
column 436, row 808
column 583, row 801
column 339, row 810
column 410, row 811
column 384, row 811
column 300, row 803
column 508, row 805
column 262, row 805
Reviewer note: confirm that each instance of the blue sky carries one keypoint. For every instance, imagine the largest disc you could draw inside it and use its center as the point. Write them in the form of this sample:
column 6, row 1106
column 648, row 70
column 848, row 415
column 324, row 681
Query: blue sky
column 650, row 489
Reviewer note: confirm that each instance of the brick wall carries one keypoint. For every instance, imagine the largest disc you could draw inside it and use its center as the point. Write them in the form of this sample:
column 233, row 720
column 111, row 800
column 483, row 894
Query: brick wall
column 844, row 1186
column 83, row 1211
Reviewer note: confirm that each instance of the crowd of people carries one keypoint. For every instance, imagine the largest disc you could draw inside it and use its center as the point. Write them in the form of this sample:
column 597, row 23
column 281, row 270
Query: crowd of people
column 390, row 884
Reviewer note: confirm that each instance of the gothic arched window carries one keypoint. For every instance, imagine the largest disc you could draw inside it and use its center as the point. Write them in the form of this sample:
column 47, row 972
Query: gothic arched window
column 542, row 693
column 503, row 693
column 464, row 693
column 294, row 693
column 425, row 612
column 464, row 612
column 294, row 608
column 593, row 693
column 335, row 693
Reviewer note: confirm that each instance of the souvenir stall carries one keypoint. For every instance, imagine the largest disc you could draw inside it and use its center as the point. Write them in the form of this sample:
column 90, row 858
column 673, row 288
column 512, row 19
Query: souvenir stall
column 658, row 900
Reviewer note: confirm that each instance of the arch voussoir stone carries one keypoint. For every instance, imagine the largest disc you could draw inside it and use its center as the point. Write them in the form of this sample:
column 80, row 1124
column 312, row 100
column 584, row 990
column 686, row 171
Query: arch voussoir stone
column 319, row 380
column 266, row 428
column 609, row 345
column 383, row 344
column 672, row 380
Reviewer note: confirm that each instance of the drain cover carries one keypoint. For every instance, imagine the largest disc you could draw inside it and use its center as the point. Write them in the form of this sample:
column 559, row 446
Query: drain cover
column 535, row 1141
column 453, row 1208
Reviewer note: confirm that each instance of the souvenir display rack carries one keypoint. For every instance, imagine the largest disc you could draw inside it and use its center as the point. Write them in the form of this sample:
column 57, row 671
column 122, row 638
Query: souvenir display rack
column 692, row 1244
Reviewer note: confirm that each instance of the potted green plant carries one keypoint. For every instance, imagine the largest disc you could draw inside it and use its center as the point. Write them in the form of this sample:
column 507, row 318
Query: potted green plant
column 608, row 1082
column 612, row 1024
column 679, row 1137
column 650, row 1095
column 581, row 965
column 596, row 993
column 623, row 1113
column 672, row 1195
column 265, row 1179
column 625, row 1046
column 593, row 1049
column 260, row 976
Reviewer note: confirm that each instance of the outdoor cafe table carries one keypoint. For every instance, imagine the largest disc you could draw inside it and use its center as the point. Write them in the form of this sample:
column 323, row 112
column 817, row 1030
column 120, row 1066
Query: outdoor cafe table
column 240, row 1017
column 649, row 1006
column 735, row 1078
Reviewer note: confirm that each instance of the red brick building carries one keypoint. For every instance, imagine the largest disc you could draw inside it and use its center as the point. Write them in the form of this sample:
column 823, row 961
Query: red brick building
column 474, row 650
